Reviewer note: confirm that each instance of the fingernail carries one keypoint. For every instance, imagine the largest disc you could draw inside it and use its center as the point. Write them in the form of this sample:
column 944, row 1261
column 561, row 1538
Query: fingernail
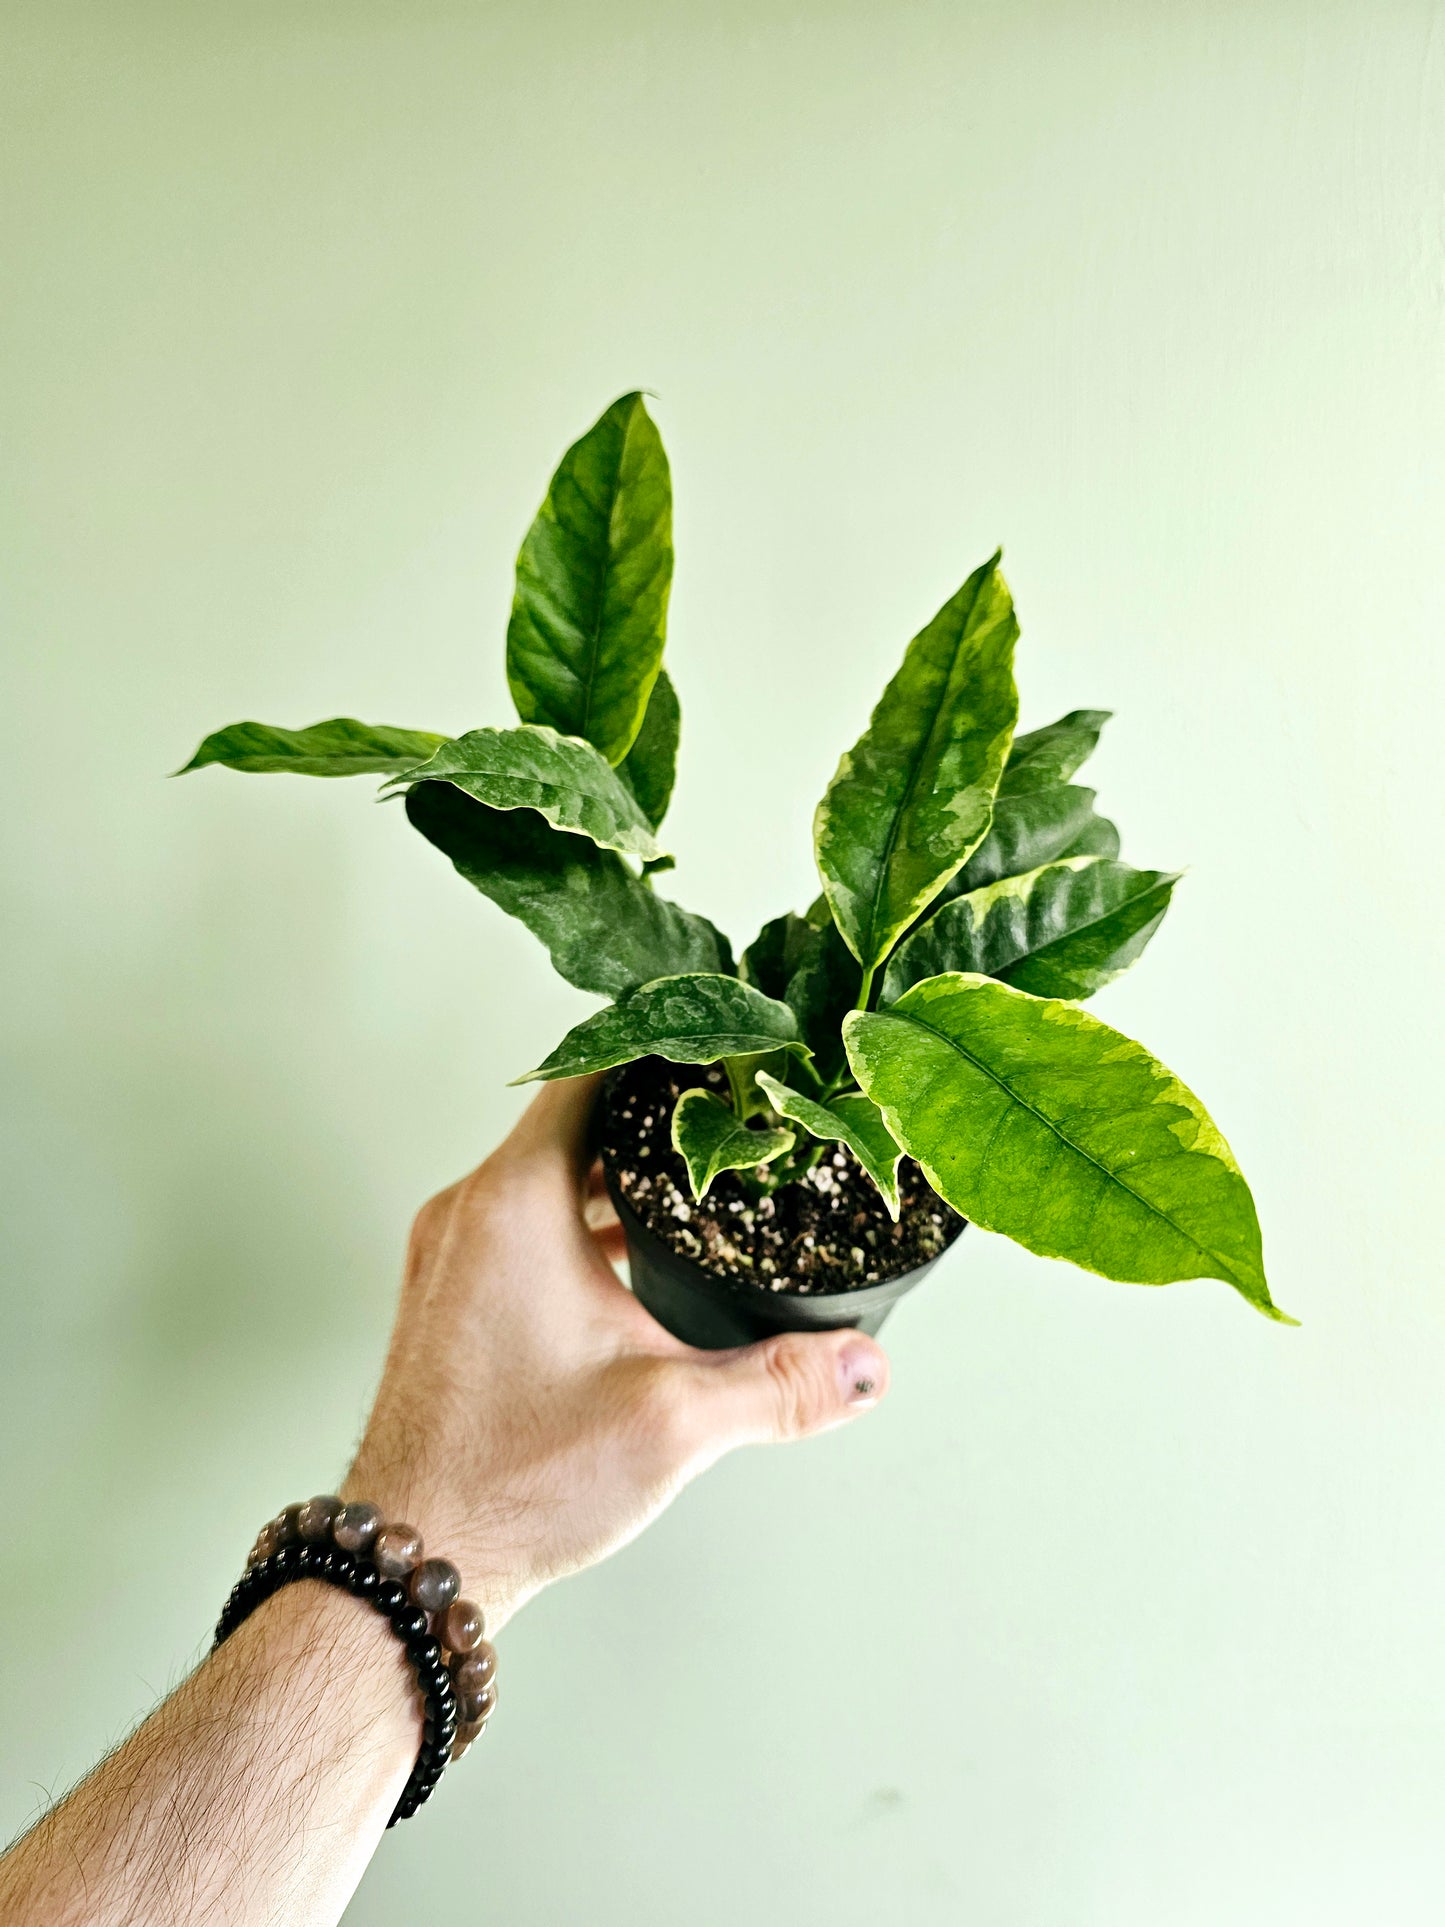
column 863, row 1371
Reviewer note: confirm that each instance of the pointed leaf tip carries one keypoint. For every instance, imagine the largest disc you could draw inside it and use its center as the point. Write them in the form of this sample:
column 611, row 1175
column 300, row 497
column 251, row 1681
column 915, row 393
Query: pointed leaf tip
column 594, row 573
column 341, row 746
column 693, row 1018
column 913, row 798
column 710, row 1139
column 987, row 1086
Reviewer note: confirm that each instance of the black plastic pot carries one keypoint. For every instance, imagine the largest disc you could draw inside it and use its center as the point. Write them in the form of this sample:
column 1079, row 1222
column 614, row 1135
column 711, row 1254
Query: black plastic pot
column 714, row 1313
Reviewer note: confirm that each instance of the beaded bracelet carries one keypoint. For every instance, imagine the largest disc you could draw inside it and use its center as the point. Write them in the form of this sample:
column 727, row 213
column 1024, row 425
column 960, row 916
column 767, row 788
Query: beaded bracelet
column 351, row 1546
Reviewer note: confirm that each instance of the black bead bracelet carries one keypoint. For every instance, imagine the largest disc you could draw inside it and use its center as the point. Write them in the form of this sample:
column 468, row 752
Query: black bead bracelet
column 349, row 1547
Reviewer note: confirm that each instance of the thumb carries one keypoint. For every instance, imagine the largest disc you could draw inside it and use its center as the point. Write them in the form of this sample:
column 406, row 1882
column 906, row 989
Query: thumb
column 788, row 1387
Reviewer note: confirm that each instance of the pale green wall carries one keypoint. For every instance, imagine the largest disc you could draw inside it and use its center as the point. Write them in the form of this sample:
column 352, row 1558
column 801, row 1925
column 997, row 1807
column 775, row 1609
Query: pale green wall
column 1126, row 1610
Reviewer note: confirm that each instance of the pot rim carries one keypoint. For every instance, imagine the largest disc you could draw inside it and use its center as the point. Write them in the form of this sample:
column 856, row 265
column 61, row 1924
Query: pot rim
column 865, row 1297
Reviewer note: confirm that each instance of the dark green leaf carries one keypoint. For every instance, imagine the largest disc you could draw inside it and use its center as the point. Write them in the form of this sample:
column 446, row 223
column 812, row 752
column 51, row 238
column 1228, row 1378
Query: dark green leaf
column 913, row 797
column 1099, row 837
column 775, row 953
column 589, row 618
column 340, row 747
column 822, row 990
column 1064, row 930
column 1034, row 1119
column 1046, row 757
column 691, row 1019
column 710, row 1139
column 533, row 768
column 649, row 767
column 1027, row 831
column 854, row 1120
column 606, row 929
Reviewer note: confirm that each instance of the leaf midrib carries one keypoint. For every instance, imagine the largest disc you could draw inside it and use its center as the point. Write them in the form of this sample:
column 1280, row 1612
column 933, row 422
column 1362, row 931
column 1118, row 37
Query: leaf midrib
column 594, row 641
column 890, row 841
column 1079, row 1149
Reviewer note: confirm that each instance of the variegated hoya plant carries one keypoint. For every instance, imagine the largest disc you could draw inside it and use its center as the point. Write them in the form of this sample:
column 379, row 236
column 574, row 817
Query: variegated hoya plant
column 929, row 1001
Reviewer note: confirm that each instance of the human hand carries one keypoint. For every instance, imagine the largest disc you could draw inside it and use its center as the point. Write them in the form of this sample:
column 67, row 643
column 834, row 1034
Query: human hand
column 532, row 1416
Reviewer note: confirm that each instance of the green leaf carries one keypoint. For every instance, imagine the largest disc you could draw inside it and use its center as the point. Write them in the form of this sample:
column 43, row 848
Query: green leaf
column 589, row 617
column 690, row 1018
column 340, row 747
column 775, row 953
column 1027, row 831
column 1064, row 930
column 606, row 929
column 1034, row 1119
column 764, row 964
column 1046, row 757
column 649, row 767
column 912, row 798
column 854, row 1120
column 822, row 989
column 533, row 768
column 1099, row 837
column 711, row 1139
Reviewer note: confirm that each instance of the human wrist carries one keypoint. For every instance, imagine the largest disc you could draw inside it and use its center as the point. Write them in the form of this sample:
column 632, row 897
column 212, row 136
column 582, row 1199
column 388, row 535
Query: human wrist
column 476, row 1541
column 328, row 1649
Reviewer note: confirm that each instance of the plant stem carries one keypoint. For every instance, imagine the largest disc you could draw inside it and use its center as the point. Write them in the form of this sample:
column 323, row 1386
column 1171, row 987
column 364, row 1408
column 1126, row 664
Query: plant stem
column 864, row 990
column 737, row 1084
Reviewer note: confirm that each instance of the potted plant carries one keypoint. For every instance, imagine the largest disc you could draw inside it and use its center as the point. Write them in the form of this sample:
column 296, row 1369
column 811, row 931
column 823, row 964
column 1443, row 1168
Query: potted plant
column 793, row 1139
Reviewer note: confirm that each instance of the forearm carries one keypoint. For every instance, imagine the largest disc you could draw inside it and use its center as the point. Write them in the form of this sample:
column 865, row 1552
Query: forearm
column 256, row 1793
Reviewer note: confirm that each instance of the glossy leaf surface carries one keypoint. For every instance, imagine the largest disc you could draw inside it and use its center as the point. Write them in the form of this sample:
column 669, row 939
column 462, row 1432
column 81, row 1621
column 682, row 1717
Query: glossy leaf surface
column 339, row 747
column 780, row 947
column 1027, row 831
column 774, row 953
column 561, row 777
column 649, row 768
column 822, row 989
column 710, row 1139
column 1099, row 837
column 913, row 797
column 854, row 1120
column 1046, row 757
column 1034, row 1119
column 606, row 929
column 589, row 617
column 1064, row 930
column 691, row 1019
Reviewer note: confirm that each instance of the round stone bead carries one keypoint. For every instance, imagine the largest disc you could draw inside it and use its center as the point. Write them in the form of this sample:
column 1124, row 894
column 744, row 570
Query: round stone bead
column 462, row 1629
column 435, row 1583
column 355, row 1526
column 266, row 1543
column 389, row 1597
column 423, row 1664
column 288, row 1528
column 397, row 1550
column 477, row 1670
column 409, row 1622
column 472, row 1707
column 314, row 1519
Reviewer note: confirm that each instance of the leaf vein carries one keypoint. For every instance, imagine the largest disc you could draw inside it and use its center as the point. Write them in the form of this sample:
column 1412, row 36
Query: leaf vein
column 1064, row 1138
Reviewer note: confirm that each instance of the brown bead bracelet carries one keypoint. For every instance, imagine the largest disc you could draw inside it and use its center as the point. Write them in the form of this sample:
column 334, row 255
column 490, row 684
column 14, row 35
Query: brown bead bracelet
column 352, row 1547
